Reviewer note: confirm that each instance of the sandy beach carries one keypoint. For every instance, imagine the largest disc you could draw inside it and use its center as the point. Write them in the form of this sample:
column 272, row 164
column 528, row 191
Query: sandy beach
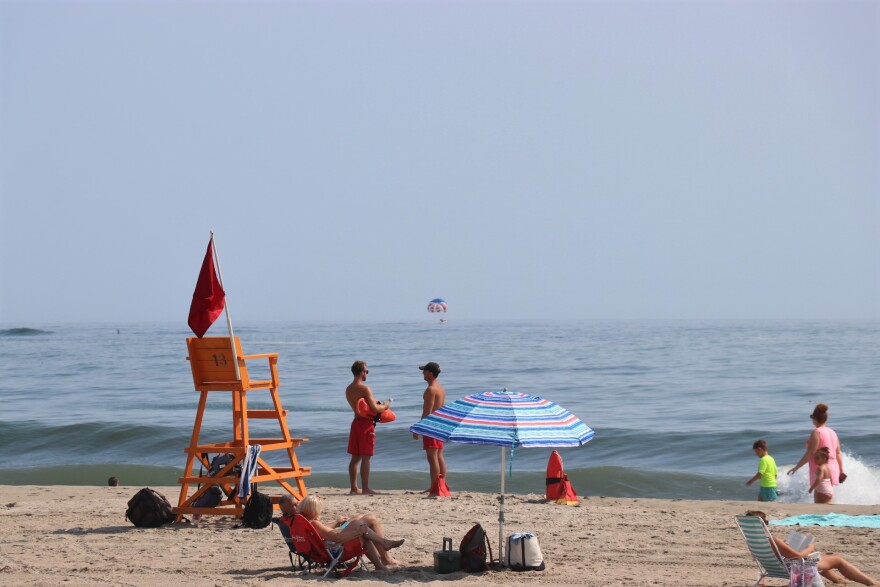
column 77, row 535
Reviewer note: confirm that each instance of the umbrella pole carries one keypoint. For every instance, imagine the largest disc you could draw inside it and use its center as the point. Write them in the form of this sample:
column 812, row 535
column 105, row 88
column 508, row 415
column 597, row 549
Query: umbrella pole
column 501, row 515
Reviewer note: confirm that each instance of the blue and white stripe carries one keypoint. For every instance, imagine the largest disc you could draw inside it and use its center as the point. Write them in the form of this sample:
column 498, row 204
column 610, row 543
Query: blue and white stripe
column 504, row 418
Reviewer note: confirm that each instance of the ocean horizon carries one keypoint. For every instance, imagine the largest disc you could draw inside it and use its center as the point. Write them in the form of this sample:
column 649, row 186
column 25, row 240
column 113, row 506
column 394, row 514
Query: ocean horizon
column 675, row 404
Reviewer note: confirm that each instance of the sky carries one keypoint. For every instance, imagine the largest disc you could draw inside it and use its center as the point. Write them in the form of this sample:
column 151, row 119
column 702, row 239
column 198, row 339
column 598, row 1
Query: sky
column 523, row 160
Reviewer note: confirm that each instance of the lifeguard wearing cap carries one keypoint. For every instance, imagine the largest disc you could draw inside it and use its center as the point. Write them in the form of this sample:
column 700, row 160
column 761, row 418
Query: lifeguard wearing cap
column 431, row 367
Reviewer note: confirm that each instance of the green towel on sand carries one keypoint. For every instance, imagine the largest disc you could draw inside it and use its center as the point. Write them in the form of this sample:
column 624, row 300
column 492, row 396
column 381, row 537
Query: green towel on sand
column 829, row 520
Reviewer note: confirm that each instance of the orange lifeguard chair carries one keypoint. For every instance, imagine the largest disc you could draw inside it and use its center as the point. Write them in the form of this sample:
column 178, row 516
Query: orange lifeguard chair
column 214, row 370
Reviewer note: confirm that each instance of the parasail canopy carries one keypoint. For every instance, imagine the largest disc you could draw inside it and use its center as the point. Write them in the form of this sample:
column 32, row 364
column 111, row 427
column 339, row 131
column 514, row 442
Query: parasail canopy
column 437, row 305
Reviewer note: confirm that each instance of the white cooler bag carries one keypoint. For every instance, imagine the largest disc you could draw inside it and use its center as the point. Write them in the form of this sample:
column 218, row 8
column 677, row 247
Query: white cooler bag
column 523, row 553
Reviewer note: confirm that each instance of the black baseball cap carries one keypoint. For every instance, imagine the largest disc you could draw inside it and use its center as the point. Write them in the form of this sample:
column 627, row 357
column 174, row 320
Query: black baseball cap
column 432, row 367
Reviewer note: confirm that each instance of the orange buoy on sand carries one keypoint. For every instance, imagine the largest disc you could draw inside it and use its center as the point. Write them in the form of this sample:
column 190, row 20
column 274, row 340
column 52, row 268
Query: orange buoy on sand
column 439, row 488
column 554, row 476
column 559, row 488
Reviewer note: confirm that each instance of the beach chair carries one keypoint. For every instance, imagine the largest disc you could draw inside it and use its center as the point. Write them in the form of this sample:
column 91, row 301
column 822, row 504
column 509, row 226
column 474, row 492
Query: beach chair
column 308, row 544
column 301, row 560
column 762, row 548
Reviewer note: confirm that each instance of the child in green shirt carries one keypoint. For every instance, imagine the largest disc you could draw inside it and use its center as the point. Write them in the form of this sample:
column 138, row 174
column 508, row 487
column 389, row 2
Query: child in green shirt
column 766, row 472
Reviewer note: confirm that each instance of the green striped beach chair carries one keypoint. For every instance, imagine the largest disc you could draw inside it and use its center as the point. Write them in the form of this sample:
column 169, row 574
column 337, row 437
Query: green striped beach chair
column 762, row 548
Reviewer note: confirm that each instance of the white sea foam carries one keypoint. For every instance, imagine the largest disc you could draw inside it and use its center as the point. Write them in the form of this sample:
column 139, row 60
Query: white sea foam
column 862, row 485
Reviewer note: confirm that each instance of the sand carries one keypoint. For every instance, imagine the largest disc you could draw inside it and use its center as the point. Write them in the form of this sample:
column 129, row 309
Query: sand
column 63, row 535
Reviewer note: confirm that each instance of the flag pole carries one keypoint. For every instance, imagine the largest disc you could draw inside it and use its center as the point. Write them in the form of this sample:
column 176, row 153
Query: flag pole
column 226, row 307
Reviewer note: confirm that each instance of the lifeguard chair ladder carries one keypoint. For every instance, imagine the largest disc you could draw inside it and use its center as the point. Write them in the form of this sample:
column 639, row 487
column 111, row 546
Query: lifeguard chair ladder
column 213, row 370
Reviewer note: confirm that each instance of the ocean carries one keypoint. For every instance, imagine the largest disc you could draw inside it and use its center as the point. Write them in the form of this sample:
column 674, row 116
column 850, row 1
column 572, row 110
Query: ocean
column 675, row 405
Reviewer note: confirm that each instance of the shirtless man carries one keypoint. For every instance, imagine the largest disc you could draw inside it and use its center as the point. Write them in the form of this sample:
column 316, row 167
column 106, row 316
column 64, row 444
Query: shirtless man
column 433, row 399
column 362, row 437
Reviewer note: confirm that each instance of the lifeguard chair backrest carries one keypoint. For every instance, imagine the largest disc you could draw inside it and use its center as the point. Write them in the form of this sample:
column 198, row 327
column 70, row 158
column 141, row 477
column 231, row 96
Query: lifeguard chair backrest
column 308, row 542
column 213, row 364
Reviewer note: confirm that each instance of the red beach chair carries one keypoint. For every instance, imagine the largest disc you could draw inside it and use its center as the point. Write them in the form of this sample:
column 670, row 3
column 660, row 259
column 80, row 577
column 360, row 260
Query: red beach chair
column 309, row 544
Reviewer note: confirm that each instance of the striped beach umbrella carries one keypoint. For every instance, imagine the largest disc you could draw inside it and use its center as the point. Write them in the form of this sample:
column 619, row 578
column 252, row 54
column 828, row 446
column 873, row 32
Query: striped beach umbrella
column 506, row 419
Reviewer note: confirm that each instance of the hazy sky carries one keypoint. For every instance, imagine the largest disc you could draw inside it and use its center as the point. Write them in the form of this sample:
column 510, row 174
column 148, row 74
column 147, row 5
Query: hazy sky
column 596, row 159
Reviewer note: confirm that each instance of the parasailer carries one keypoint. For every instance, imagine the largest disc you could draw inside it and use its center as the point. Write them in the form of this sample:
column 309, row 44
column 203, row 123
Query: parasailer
column 437, row 305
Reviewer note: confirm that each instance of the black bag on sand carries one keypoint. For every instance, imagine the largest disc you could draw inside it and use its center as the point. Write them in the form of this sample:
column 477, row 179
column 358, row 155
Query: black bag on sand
column 149, row 509
column 257, row 511
column 474, row 548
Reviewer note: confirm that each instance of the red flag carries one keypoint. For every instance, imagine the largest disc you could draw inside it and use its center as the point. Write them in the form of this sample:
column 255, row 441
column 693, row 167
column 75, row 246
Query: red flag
column 208, row 297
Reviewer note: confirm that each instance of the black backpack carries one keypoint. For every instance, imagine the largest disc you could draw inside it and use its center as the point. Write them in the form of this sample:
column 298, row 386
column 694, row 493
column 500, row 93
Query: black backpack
column 474, row 547
column 149, row 509
column 257, row 511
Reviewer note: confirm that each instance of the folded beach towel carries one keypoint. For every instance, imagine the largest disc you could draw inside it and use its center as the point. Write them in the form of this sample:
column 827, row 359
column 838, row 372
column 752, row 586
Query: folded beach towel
column 248, row 469
column 829, row 520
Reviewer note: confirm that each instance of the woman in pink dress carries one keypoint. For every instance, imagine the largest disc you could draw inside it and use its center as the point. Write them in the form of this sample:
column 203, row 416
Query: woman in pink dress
column 822, row 436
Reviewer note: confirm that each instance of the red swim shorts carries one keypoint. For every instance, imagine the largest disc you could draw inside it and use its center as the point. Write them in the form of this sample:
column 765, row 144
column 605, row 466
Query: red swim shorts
column 362, row 438
column 428, row 442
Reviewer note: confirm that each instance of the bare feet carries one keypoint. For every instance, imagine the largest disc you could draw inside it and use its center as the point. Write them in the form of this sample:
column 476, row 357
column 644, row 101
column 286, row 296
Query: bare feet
column 354, row 491
column 389, row 544
column 368, row 492
column 391, row 562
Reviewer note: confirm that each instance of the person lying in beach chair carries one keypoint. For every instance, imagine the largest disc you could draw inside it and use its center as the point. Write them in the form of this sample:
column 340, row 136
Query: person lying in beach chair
column 774, row 556
column 313, row 551
column 357, row 536
column 762, row 548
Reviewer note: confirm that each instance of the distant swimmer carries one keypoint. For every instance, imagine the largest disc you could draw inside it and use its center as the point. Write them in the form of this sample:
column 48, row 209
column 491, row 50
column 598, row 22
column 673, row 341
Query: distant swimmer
column 432, row 400
column 362, row 436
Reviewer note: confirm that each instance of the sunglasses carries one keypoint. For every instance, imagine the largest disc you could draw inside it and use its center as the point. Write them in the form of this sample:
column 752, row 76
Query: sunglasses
column 367, row 371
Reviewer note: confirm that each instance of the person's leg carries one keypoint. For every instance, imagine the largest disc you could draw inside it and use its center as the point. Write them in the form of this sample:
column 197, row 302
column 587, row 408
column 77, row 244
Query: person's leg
column 365, row 474
column 371, row 536
column 441, row 462
column 374, row 524
column 833, row 577
column 373, row 555
column 353, row 471
column 831, row 561
column 371, row 520
column 354, row 449
column 433, row 464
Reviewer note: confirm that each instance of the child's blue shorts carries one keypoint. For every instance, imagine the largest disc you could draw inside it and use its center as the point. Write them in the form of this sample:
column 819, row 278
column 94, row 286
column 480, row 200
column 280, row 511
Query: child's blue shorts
column 767, row 494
